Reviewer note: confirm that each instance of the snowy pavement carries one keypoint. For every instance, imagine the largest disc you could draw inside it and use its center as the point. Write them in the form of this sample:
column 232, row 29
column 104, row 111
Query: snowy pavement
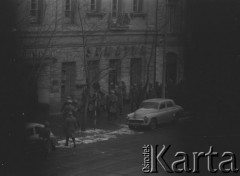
column 96, row 135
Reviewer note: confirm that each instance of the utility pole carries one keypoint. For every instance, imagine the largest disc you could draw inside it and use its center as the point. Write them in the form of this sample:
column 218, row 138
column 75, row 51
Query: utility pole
column 156, row 39
column 164, row 53
column 164, row 67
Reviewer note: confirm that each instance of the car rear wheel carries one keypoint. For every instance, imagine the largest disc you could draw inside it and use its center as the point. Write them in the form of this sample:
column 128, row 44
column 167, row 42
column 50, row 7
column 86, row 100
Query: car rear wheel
column 153, row 124
column 175, row 118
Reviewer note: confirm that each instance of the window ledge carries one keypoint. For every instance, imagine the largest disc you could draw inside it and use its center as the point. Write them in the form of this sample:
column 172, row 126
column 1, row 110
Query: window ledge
column 138, row 14
column 118, row 28
column 95, row 14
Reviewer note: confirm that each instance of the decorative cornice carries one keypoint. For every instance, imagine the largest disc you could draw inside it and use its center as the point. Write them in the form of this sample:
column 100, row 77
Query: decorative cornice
column 114, row 33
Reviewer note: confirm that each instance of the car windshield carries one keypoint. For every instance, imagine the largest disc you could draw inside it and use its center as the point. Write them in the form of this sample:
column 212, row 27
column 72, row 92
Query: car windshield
column 29, row 132
column 149, row 105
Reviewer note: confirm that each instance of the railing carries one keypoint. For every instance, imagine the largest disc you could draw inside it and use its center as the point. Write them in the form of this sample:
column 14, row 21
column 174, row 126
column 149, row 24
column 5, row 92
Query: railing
column 119, row 20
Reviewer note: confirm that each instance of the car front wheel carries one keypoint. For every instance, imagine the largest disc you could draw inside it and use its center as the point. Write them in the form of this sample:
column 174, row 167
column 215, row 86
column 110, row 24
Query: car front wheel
column 153, row 124
column 130, row 127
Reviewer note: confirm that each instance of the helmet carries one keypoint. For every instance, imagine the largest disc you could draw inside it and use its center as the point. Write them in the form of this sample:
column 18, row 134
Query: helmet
column 69, row 101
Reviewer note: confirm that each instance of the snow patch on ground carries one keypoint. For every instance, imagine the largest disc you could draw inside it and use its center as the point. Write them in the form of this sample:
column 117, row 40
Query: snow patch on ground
column 96, row 135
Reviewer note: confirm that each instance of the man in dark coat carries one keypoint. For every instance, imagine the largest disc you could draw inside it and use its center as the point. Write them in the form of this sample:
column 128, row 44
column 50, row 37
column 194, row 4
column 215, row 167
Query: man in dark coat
column 151, row 92
column 119, row 94
column 67, row 107
column 45, row 135
column 112, row 105
column 133, row 96
column 70, row 127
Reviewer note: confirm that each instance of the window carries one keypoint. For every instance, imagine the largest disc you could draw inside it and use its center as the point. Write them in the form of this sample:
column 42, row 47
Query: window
column 169, row 104
column 35, row 11
column 68, row 8
column 149, row 105
column 172, row 18
column 116, row 8
column 93, row 5
column 29, row 132
column 70, row 11
column 93, row 71
column 162, row 106
column 137, row 6
column 38, row 130
column 95, row 9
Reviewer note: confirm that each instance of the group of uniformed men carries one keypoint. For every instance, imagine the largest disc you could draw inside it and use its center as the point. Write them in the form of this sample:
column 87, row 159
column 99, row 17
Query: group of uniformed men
column 98, row 102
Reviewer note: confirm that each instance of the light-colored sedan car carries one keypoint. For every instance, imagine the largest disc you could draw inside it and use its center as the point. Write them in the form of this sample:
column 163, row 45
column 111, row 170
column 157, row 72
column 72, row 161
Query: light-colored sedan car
column 153, row 112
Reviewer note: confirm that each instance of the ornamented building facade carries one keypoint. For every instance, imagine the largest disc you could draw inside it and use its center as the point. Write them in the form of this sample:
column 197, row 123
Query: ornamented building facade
column 114, row 40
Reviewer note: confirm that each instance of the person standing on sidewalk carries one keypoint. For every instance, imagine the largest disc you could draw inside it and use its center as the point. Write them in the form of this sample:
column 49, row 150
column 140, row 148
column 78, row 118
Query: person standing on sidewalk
column 119, row 94
column 67, row 107
column 76, row 111
column 45, row 135
column 70, row 127
column 96, row 107
column 112, row 105
column 133, row 97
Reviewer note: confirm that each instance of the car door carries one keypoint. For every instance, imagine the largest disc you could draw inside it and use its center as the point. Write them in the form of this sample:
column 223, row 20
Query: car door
column 170, row 110
column 162, row 115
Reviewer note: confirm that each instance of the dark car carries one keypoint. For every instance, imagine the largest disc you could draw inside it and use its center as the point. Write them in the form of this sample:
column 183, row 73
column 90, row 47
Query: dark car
column 36, row 140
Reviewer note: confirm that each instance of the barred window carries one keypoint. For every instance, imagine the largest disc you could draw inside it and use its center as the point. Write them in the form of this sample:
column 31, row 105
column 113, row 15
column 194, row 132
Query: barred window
column 137, row 6
column 95, row 5
column 116, row 7
column 172, row 18
column 68, row 8
column 36, row 11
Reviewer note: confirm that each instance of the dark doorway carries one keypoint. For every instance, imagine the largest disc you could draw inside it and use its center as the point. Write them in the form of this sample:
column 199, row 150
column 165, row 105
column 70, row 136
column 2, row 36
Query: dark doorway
column 135, row 71
column 93, row 71
column 171, row 70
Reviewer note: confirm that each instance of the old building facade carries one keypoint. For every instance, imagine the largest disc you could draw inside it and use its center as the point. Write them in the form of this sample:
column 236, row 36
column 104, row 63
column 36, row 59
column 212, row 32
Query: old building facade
column 107, row 41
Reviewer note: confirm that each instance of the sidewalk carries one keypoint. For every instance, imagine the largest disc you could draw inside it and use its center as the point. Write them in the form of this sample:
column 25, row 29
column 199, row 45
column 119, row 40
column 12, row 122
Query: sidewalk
column 56, row 122
column 105, row 129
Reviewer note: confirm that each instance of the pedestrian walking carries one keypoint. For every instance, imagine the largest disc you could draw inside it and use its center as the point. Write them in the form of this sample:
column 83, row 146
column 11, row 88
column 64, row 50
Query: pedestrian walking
column 76, row 111
column 124, row 91
column 96, row 107
column 151, row 92
column 133, row 96
column 45, row 135
column 112, row 106
column 139, row 96
column 119, row 94
column 67, row 107
column 70, row 127
column 91, row 107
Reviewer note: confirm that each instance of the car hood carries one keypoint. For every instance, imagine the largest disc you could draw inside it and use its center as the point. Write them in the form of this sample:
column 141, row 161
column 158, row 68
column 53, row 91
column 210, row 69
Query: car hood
column 142, row 112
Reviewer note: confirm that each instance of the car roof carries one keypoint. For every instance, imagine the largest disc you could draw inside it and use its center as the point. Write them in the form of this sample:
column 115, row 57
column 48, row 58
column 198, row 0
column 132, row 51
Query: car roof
column 157, row 100
column 32, row 125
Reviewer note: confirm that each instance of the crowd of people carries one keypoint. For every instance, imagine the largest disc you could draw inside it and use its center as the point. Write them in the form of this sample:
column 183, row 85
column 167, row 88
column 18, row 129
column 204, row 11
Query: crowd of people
column 98, row 102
